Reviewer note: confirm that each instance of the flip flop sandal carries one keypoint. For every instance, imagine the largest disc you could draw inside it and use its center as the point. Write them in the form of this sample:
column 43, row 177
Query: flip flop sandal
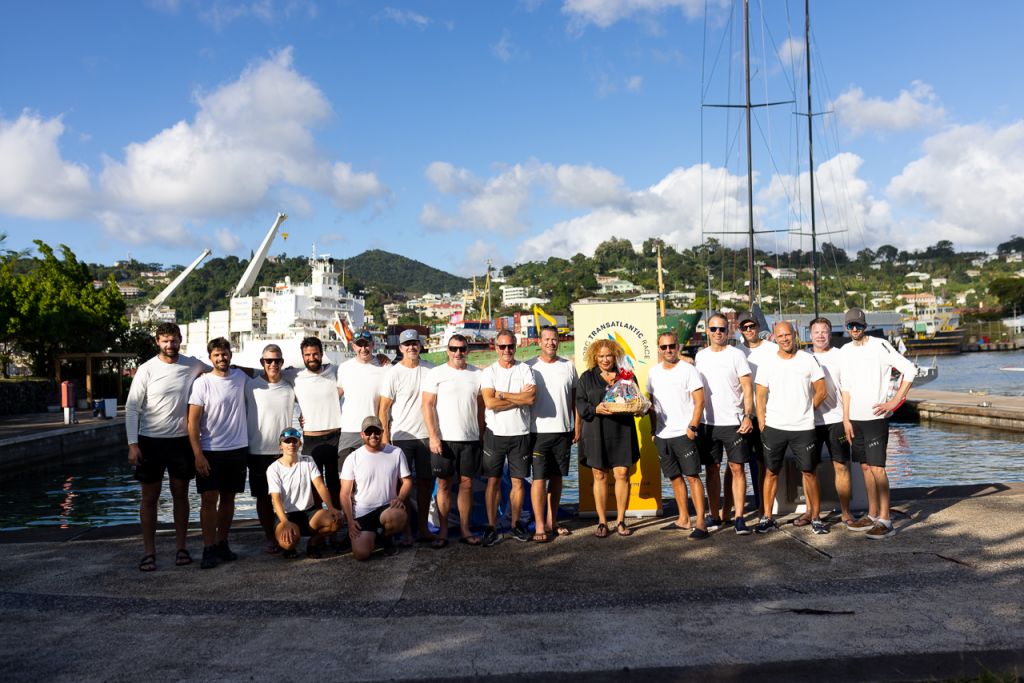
column 623, row 530
column 470, row 540
column 602, row 531
column 672, row 526
column 541, row 538
column 147, row 563
column 801, row 521
column 439, row 543
column 182, row 558
column 563, row 531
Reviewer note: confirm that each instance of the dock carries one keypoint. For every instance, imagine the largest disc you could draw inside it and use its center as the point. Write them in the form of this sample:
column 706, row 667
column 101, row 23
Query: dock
column 940, row 600
column 37, row 440
column 977, row 409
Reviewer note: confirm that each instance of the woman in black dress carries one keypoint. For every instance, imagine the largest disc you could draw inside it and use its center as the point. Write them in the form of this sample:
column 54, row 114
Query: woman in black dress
column 609, row 440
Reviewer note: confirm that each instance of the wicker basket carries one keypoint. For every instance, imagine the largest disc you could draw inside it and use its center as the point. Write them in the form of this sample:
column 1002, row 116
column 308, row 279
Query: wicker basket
column 634, row 406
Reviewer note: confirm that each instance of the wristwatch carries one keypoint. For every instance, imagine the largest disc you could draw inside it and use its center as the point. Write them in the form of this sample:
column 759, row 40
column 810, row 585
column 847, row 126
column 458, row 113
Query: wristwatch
column 501, row 396
column 749, row 416
column 693, row 427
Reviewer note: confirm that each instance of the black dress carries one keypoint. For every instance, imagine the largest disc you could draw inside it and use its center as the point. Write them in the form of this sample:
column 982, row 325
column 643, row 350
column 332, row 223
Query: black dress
column 607, row 440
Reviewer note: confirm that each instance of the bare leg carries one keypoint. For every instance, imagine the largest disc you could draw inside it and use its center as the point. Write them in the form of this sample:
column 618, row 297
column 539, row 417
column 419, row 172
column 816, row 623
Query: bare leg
column 869, row 486
column 713, row 474
column 393, row 520
column 225, row 514
column 601, row 495
column 147, row 516
column 465, row 505
column 362, row 545
column 813, row 495
column 739, row 488
column 882, row 489
column 727, row 499
column 444, row 505
column 179, row 497
column 265, row 512
column 771, row 485
column 679, row 491
column 538, row 497
column 516, row 499
column 492, row 497
column 621, row 492
column 697, row 496
column 843, row 488
column 208, row 517
column 281, row 535
column 424, row 487
column 554, row 498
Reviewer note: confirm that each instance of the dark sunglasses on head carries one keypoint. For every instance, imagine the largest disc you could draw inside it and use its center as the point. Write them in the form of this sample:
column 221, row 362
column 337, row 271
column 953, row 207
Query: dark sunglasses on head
column 717, row 329
column 667, row 347
column 457, row 349
column 272, row 361
column 372, row 431
column 505, row 347
column 856, row 326
column 749, row 326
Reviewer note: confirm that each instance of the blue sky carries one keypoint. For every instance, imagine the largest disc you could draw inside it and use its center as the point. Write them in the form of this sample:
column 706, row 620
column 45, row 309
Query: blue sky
column 453, row 132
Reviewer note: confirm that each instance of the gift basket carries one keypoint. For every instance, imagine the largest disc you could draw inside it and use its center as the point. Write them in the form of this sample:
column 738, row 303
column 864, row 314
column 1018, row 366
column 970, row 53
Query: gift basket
column 623, row 395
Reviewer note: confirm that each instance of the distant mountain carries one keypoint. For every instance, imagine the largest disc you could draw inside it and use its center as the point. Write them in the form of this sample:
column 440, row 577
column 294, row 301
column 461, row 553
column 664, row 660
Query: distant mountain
column 398, row 273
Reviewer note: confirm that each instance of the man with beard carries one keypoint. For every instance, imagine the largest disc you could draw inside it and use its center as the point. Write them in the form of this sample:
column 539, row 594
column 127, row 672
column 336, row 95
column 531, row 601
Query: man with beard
column 358, row 382
column 155, row 420
column 757, row 352
column 219, row 435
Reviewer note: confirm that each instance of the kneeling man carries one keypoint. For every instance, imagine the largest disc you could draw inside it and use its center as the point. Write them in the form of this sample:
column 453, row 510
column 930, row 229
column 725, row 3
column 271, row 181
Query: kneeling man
column 374, row 501
column 291, row 480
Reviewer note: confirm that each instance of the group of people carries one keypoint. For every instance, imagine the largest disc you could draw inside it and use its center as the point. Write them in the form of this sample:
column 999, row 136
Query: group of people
column 371, row 429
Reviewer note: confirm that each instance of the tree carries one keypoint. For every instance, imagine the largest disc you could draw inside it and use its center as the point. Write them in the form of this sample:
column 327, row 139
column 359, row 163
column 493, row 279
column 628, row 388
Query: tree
column 941, row 249
column 614, row 253
column 865, row 256
column 833, row 254
column 1009, row 291
column 1013, row 244
column 887, row 253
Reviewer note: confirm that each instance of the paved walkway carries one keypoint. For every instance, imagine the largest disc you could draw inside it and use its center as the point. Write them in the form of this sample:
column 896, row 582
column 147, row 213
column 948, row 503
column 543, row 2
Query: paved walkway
column 43, row 424
column 941, row 599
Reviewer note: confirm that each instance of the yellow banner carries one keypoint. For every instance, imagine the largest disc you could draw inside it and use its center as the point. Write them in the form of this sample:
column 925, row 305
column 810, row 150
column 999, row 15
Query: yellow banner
column 634, row 325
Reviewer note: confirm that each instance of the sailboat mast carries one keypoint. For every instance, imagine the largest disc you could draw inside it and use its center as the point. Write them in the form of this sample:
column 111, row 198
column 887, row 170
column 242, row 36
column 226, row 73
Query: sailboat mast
column 750, row 163
column 810, row 151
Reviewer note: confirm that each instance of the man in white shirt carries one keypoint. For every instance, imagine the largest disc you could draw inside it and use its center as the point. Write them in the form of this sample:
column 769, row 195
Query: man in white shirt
column 554, row 428
column 677, row 405
column 828, row 417
column 358, row 384
column 789, row 388
column 508, row 389
column 454, row 413
column 867, row 364
column 156, row 415
column 219, row 435
column 401, row 414
column 757, row 351
column 375, row 487
column 291, row 480
column 269, row 408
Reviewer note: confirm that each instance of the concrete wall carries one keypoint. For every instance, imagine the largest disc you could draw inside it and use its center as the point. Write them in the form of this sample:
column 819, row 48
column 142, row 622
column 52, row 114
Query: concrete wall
column 26, row 396
column 21, row 453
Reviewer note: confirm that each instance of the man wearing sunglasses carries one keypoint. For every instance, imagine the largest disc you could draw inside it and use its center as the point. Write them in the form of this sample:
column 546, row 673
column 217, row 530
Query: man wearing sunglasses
column 358, row 383
column 677, row 404
column 375, row 486
column 454, row 413
column 269, row 408
column 866, row 364
column 728, row 419
column 758, row 351
column 509, row 389
column 401, row 414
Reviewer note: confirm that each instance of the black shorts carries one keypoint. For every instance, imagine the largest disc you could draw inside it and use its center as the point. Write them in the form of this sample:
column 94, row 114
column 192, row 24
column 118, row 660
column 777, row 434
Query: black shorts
column 258, row 464
column 173, row 455
column 833, row 436
column 802, row 442
column 348, row 442
column 550, row 454
column 498, row 449
column 324, row 451
column 870, row 441
column 301, row 518
column 457, row 457
column 678, row 456
column 371, row 520
column 227, row 471
column 713, row 439
column 754, row 442
column 417, row 455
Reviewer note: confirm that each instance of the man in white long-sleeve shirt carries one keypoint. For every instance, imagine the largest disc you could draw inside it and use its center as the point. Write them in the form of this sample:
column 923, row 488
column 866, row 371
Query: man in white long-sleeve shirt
column 155, row 415
column 866, row 366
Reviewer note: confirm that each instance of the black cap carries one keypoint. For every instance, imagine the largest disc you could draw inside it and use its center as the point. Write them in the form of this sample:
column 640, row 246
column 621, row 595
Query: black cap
column 855, row 315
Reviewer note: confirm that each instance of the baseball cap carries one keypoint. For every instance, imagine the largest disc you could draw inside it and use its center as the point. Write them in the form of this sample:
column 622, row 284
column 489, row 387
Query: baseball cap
column 408, row 336
column 746, row 317
column 855, row 315
column 291, row 433
column 362, row 336
column 371, row 421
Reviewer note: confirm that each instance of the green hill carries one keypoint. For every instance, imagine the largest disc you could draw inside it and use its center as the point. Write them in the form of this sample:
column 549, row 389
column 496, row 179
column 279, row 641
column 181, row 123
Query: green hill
column 398, row 273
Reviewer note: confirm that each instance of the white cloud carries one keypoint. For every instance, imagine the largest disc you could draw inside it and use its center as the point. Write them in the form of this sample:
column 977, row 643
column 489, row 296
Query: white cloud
column 635, row 83
column 604, row 13
column 406, row 17
column 476, row 255
column 450, row 180
column 971, row 182
column 791, row 51
column 504, row 48
column 913, row 108
column 35, row 181
column 228, row 241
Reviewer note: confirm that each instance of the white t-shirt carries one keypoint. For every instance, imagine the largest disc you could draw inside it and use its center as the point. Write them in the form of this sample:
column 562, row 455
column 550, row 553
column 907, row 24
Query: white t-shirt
column 157, row 404
column 295, row 483
column 673, row 396
column 865, row 371
column 223, row 426
column 269, row 410
column 404, row 387
column 831, row 409
column 764, row 352
column 514, row 421
column 317, row 394
column 361, row 382
column 376, row 476
column 457, row 394
column 553, row 411
column 723, row 396
column 789, row 391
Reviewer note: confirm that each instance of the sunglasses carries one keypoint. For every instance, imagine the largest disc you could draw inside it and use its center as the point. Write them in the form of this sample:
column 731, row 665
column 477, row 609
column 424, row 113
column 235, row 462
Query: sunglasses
column 505, row 347
column 668, row 347
column 717, row 329
column 856, row 326
column 457, row 349
column 362, row 342
column 411, row 343
column 290, row 440
column 748, row 326
column 372, row 431
column 272, row 361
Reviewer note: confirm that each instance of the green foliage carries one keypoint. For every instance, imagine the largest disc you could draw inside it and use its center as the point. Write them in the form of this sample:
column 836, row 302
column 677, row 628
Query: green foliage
column 1009, row 291
column 401, row 274
column 1015, row 243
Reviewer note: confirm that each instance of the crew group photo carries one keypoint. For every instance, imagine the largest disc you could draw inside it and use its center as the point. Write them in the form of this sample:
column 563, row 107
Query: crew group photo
column 372, row 455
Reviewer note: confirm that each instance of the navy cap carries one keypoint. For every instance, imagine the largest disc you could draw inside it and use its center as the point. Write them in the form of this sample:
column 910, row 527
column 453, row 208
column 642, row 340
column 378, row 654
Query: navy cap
column 362, row 336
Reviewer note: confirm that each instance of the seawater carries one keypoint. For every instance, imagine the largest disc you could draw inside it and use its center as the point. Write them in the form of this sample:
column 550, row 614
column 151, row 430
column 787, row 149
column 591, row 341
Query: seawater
column 102, row 492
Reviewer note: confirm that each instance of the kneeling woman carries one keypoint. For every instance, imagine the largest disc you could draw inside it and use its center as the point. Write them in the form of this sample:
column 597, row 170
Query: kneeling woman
column 609, row 440
column 291, row 480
